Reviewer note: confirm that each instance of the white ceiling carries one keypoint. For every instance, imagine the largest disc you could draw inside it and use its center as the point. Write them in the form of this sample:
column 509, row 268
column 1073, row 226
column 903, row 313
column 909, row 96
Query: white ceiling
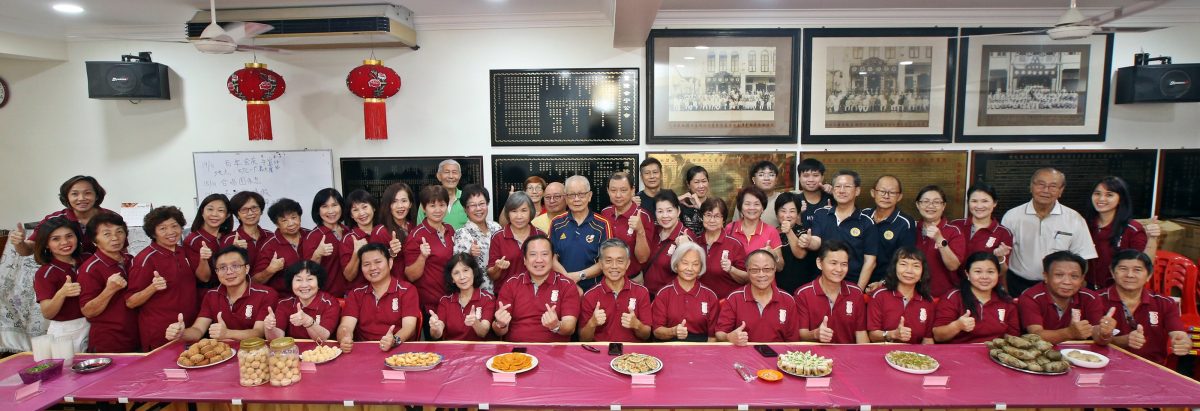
column 34, row 17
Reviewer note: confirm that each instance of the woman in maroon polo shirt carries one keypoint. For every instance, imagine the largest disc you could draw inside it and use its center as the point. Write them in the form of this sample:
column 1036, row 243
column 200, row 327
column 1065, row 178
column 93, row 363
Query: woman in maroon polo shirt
column 56, row 283
column 943, row 243
column 248, row 207
column 725, row 256
column 505, row 259
column 161, row 282
column 82, row 196
column 671, row 233
column 282, row 249
column 212, row 222
column 983, row 232
column 398, row 217
column 685, row 310
column 361, row 220
column 979, row 310
column 321, row 245
column 429, row 247
column 102, row 282
column 902, row 310
column 465, row 312
column 309, row 313
column 1110, row 221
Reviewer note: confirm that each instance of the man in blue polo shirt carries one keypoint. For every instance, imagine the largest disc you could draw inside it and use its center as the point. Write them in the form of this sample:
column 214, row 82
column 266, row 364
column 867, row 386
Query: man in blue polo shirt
column 846, row 223
column 578, row 233
column 893, row 228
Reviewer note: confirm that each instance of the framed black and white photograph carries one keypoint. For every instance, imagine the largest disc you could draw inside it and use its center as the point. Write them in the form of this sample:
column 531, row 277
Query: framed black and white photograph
column 878, row 85
column 1029, row 87
column 722, row 86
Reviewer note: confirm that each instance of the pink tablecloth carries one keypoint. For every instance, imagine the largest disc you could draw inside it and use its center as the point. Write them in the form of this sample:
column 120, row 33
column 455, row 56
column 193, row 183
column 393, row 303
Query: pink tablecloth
column 53, row 391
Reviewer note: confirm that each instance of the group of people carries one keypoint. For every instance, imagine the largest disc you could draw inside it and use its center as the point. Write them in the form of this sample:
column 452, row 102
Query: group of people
column 758, row 100
column 1032, row 98
column 656, row 265
column 865, row 101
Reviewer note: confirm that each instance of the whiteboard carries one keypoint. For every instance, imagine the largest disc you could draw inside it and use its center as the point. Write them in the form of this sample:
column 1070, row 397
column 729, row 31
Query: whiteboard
column 296, row 174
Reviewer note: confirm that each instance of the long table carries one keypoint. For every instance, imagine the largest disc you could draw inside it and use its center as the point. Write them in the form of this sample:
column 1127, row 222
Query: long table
column 693, row 376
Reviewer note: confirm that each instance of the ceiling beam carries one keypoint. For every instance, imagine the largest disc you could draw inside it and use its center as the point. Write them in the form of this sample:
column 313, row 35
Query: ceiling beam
column 632, row 20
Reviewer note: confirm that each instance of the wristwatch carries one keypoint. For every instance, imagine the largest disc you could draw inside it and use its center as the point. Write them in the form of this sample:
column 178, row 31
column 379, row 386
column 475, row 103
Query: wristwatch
column 944, row 243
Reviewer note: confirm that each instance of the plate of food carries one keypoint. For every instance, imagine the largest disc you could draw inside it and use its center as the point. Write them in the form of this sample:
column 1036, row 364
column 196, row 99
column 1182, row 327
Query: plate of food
column 804, row 364
column 91, row 365
column 1084, row 358
column 321, row 354
column 1028, row 353
column 636, row 364
column 911, row 362
column 205, row 353
column 413, row 361
column 512, row 363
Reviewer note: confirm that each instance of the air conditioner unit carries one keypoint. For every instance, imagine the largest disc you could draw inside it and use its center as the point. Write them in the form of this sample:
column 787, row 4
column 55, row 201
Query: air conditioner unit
column 322, row 27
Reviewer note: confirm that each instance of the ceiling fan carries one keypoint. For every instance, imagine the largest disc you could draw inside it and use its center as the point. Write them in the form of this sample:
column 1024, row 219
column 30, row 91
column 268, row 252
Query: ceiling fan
column 1073, row 25
column 217, row 40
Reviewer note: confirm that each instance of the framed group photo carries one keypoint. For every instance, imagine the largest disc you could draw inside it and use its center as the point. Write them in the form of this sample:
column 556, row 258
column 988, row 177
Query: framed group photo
column 1021, row 87
column 878, row 85
column 722, row 86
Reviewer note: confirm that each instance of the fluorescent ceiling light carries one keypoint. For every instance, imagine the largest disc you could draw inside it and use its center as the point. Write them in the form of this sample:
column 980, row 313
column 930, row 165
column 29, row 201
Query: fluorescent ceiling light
column 67, row 8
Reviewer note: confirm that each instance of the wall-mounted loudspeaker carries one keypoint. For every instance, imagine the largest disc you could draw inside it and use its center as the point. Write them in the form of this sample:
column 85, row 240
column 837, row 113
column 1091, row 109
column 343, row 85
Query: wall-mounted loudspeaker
column 121, row 80
column 1160, row 83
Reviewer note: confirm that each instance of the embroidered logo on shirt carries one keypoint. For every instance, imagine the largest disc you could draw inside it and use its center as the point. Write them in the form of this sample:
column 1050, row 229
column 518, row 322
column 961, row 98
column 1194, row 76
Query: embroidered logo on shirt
column 849, row 307
column 395, row 304
column 562, row 236
column 590, row 238
column 1076, row 315
column 632, row 304
column 855, row 232
column 249, row 311
column 1154, row 318
column 553, row 296
column 990, row 242
column 887, row 235
column 724, row 254
column 782, row 316
column 1001, row 313
column 704, row 308
column 671, row 250
column 923, row 316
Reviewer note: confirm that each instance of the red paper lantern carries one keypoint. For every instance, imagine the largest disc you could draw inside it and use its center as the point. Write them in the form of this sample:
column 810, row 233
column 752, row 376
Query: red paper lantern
column 256, row 86
column 374, row 83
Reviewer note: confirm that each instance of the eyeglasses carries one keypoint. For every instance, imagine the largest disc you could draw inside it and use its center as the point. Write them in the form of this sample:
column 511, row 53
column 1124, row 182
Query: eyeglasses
column 577, row 196
column 1044, row 186
column 714, row 216
column 477, row 205
column 554, row 197
column 230, row 268
column 935, row 203
column 765, row 175
column 887, row 193
column 251, row 209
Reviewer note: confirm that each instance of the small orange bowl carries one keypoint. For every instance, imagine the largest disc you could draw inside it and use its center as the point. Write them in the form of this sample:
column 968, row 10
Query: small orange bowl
column 770, row 375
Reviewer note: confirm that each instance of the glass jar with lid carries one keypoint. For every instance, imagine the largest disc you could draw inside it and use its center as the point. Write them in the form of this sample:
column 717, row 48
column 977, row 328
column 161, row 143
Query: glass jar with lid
column 252, row 362
column 284, row 362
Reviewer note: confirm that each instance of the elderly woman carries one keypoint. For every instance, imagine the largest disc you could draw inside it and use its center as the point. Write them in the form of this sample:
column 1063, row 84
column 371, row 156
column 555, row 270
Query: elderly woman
column 944, row 243
column 161, row 283
column 902, row 309
column 671, row 234
column 309, row 313
column 765, row 175
column 751, row 230
column 465, row 313
column 686, row 310
column 504, row 250
column 248, row 207
column 474, row 237
column 726, row 262
column 429, row 247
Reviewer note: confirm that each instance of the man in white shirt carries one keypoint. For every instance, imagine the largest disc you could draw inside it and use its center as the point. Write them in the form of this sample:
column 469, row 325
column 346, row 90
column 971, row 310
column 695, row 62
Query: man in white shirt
column 1043, row 226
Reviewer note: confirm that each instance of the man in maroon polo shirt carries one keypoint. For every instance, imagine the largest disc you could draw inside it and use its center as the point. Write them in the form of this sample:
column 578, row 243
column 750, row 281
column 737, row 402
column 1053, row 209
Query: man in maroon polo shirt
column 630, row 223
column 1144, row 321
column 617, row 309
column 1061, row 308
column 232, row 311
column 741, row 321
column 539, row 305
column 384, row 310
column 831, row 309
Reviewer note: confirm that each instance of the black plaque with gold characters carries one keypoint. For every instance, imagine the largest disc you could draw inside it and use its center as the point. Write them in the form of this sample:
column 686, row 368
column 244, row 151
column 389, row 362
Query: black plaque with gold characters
column 374, row 174
column 565, row 107
column 1179, row 184
column 727, row 172
column 510, row 172
column 1010, row 172
column 914, row 169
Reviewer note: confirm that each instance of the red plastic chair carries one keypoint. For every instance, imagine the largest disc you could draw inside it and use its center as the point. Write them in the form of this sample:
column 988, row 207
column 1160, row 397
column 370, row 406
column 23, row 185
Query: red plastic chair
column 1162, row 259
column 1181, row 273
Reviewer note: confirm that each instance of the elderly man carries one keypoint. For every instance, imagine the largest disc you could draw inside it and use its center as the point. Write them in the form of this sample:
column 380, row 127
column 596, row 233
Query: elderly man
column 893, row 228
column 1043, row 226
column 578, row 233
column 759, row 311
column 555, row 204
column 617, row 309
column 449, row 174
column 1061, row 308
column 1148, row 324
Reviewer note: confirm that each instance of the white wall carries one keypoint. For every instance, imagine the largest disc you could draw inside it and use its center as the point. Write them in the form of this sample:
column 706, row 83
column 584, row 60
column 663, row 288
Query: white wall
column 142, row 152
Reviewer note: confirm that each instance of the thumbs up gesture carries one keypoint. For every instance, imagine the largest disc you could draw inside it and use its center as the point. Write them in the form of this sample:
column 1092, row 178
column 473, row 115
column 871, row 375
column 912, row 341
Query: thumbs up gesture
column 739, row 336
column 239, row 242
column 503, row 263
column 276, row 264
column 18, row 235
column 635, row 223
column 629, row 319
column 1137, row 338
column 966, row 322
column 1081, row 330
column 599, row 317
column 1002, row 251
column 388, row 340
column 803, row 207
column 1107, row 323
column 69, row 288
column 175, row 329
column 205, row 252
column 346, row 343
column 681, row 331
column 785, row 226
column 217, row 330
column 115, row 282
column 436, row 323
column 804, row 239
column 503, row 317
column 324, row 250
column 1180, row 343
column 682, row 239
column 395, row 245
column 475, row 250
column 269, row 322
column 902, row 333
column 158, row 282
column 1153, row 229
column 637, row 200
column 726, row 263
column 550, row 317
column 824, row 333
column 359, row 243
column 298, row 318
column 425, row 249
column 472, row 317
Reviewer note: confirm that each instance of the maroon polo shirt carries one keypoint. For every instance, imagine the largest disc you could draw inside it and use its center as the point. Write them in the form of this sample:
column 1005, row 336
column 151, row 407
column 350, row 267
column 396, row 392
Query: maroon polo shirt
column 1099, row 274
column 887, row 306
column 529, row 303
column 191, row 247
column 614, row 305
column 715, row 278
column 379, row 234
column 1037, row 308
column 116, row 328
column 778, row 321
column 163, row 308
column 323, row 308
column 87, row 248
column 376, row 315
column 994, row 319
column 49, row 279
column 699, row 306
column 253, row 245
column 504, row 244
column 243, row 312
column 658, row 272
column 290, row 253
column 619, row 224
column 1158, row 316
column 984, row 239
column 455, row 315
column 431, row 286
column 335, row 283
column 941, row 279
column 847, row 313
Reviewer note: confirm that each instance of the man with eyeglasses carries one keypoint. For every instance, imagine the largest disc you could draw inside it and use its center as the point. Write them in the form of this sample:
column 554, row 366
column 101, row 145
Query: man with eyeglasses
column 651, row 171
column 846, row 223
column 578, row 234
column 759, row 311
column 449, row 174
column 1043, row 226
column 893, row 228
column 232, row 311
column 555, row 205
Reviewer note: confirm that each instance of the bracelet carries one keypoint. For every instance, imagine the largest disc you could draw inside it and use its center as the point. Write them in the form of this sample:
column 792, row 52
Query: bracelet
column 500, row 325
column 555, row 329
column 887, row 336
column 312, row 322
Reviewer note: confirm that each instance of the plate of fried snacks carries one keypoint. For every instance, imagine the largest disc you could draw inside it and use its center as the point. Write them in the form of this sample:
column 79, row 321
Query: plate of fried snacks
column 413, row 361
column 805, row 364
column 1085, row 358
column 512, row 363
column 911, row 362
column 1028, row 353
column 636, row 364
column 321, row 354
column 205, row 353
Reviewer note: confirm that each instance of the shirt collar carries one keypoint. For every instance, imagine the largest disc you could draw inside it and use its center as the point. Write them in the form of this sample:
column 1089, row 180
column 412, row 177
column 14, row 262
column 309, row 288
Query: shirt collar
column 679, row 288
column 748, row 293
column 158, row 247
column 224, row 291
column 1058, row 208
